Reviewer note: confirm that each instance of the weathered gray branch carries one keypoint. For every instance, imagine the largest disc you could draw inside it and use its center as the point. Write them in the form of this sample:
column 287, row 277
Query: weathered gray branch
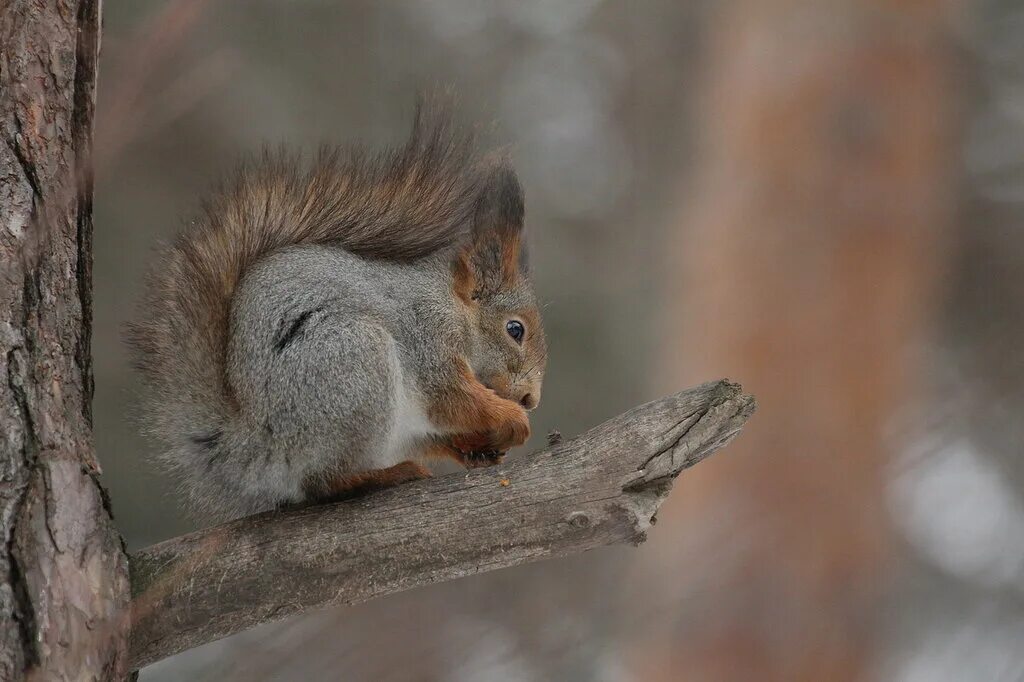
column 600, row 488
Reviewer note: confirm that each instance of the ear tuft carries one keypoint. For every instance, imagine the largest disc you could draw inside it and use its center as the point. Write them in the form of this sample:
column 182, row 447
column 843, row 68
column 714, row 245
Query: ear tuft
column 500, row 206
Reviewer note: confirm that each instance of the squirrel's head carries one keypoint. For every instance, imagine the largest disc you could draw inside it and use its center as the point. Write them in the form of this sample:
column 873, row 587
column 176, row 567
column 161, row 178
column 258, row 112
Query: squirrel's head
column 508, row 351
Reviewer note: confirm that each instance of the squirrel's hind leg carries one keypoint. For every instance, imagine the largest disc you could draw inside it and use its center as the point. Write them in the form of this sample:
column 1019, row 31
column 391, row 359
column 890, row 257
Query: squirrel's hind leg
column 345, row 486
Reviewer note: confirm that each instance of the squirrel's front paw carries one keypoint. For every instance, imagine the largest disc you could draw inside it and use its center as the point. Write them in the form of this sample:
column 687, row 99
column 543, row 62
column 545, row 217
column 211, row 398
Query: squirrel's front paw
column 514, row 431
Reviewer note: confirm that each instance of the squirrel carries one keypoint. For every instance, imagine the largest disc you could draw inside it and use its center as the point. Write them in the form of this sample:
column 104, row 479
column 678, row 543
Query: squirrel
column 325, row 329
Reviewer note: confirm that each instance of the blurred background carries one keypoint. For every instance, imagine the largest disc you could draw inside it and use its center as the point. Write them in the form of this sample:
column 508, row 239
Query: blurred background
column 823, row 201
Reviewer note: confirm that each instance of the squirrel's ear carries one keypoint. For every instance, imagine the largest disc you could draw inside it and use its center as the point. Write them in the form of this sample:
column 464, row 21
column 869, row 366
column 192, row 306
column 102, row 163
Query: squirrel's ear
column 499, row 208
column 495, row 256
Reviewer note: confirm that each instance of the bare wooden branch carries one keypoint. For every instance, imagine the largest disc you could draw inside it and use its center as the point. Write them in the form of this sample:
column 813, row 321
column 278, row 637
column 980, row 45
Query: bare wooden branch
column 600, row 488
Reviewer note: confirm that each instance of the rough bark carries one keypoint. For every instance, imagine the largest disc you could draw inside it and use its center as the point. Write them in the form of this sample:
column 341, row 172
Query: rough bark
column 63, row 570
column 600, row 488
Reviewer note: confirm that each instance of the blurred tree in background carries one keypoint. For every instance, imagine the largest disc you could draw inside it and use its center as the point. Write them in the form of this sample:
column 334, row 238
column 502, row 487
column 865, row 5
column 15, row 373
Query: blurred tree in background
column 810, row 253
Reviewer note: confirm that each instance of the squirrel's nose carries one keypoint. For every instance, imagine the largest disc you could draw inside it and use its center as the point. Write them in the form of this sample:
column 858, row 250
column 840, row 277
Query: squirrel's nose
column 528, row 397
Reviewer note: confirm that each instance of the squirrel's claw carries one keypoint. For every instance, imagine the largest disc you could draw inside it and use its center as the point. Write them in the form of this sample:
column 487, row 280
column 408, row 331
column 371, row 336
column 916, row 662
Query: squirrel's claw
column 483, row 458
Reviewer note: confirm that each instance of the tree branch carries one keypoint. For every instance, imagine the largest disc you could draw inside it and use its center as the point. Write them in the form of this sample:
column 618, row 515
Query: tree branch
column 600, row 488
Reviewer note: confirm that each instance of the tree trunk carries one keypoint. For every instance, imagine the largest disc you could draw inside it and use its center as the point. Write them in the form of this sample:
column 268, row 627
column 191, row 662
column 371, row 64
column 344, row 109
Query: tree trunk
column 63, row 569
column 811, row 252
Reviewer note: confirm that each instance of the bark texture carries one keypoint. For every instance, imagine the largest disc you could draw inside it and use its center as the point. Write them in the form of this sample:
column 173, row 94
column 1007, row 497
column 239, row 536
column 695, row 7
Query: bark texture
column 63, row 570
column 600, row 488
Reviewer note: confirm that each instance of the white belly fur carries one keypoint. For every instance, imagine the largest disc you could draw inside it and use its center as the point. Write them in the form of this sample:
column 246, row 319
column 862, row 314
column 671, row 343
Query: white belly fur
column 410, row 427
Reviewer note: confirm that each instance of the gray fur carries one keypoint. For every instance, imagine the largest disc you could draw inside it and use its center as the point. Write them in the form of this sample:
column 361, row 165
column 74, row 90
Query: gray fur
column 324, row 403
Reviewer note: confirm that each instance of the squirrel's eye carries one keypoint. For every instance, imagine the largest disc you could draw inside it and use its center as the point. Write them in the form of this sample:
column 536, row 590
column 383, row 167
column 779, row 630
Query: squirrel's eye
column 516, row 330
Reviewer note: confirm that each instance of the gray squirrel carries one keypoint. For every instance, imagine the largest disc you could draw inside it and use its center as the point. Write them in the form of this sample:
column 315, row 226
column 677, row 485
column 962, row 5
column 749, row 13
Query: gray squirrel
column 323, row 330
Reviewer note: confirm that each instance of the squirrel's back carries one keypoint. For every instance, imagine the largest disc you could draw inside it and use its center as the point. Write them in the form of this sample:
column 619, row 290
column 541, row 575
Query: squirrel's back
column 402, row 205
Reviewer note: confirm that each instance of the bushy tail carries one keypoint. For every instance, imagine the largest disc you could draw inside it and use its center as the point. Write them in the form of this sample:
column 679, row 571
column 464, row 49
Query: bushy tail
column 401, row 205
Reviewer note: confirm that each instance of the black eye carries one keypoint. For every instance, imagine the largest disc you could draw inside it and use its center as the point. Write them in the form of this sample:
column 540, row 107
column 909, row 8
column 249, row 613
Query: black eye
column 516, row 330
